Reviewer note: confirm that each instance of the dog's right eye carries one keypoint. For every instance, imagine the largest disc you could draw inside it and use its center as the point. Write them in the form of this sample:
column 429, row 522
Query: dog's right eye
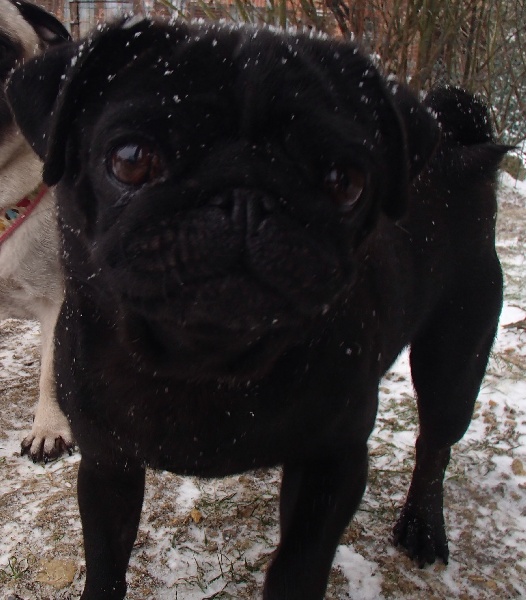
column 346, row 186
column 135, row 164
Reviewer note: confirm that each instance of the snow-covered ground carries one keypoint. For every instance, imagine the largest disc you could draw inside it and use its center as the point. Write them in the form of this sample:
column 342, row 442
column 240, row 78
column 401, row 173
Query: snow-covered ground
column 212, row 539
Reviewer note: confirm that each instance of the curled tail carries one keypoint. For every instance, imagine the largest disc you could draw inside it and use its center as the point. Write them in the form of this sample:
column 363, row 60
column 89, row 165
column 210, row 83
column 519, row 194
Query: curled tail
column 467, row 134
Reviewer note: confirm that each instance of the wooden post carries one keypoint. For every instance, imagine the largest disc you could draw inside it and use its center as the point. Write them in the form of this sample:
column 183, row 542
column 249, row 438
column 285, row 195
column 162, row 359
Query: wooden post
column 100, row 11
column 74, row 19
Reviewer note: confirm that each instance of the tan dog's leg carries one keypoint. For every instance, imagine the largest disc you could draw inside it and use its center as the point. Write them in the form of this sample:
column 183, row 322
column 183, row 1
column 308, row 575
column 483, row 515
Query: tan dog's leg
column 50, row 435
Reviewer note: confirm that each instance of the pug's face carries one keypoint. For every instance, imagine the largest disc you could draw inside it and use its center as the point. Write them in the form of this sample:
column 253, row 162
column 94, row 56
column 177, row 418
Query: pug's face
column 18, row 40
column 215, row 184
column 25, row 30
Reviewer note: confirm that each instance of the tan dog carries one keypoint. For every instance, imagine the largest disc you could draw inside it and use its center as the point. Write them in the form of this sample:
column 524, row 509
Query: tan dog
column 31, row 284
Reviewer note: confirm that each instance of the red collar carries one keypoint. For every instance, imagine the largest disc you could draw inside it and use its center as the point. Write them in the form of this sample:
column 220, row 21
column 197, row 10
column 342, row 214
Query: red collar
column 12, row 217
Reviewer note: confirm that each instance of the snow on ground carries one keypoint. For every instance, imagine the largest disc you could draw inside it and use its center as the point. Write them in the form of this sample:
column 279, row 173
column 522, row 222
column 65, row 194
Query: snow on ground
column 212, row 539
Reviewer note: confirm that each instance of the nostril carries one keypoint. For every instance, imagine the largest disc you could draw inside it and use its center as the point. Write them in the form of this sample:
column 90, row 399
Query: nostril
column 270, row 204
column 247, row 207
column 239, row 208
column 223, row 200
column 255, row 214
column 259, row 206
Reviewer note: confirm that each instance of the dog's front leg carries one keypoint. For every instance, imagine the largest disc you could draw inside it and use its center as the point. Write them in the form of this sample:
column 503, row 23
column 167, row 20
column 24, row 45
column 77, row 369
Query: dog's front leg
column 317, row 502
column 51, row 434
column 110, row 501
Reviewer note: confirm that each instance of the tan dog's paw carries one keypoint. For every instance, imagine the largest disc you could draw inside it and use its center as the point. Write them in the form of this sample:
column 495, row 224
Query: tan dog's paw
column 49, row 438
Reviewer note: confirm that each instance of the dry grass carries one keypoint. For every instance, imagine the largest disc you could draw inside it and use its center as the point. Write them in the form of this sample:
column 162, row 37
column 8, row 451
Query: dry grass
column 213, row 539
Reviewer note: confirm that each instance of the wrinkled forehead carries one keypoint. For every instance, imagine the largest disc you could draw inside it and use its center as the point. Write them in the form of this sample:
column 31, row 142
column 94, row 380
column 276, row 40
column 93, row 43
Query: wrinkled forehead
column 216, row 61
column 15, row 29
column 260, row 74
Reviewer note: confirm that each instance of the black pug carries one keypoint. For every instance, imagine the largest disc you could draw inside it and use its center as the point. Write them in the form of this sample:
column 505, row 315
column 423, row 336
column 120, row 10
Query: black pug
column 249, row 242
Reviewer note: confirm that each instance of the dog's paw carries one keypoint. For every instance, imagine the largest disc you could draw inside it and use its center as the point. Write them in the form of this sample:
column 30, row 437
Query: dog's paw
column 423, row 537
column 48, row 442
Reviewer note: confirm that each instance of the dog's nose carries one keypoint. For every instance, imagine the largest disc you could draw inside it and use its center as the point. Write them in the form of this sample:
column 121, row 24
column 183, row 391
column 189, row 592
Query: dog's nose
column 248, row 208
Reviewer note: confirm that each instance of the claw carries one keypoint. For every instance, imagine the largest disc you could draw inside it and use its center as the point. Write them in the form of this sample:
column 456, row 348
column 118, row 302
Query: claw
column 36, row 449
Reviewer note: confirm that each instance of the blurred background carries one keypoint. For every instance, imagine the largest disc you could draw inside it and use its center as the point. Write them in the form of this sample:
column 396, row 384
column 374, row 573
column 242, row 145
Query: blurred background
column 478, row 44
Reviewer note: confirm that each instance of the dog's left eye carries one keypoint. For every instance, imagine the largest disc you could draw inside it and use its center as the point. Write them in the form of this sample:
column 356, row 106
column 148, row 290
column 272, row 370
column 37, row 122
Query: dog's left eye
column 135, row 164
column 346, row 186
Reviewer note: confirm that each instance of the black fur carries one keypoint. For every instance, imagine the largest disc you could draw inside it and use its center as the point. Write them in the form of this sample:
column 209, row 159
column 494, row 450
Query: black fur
column 236, row 312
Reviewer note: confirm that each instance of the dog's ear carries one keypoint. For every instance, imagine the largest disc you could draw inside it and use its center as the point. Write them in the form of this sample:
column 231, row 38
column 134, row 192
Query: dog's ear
column 48, row 28
column 32, row 92
column 48, row 92
column 417, row 134
column 409, row 134
column 405, row 132
column 421, row 128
